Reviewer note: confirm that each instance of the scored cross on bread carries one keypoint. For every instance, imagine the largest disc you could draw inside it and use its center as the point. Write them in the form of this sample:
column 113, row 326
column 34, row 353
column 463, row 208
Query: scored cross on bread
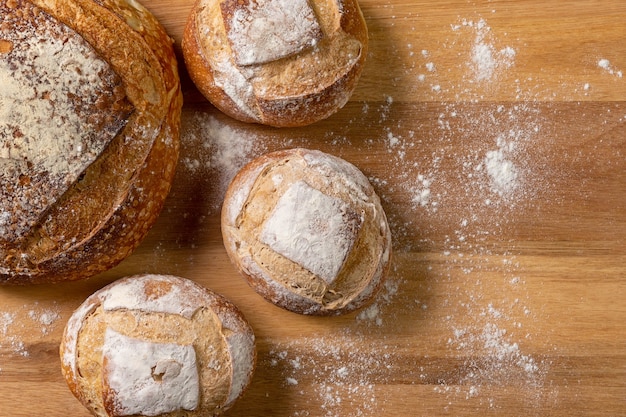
column 276, row 62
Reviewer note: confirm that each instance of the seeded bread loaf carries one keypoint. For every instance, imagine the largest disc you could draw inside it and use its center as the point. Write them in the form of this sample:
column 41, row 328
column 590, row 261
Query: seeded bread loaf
column 90, row 108
column 307, row 231
column 276, row 62
column 157, row 345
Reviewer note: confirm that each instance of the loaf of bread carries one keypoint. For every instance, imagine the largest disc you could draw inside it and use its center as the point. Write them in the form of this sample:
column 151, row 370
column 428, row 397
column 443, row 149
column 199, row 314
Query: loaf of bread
column 307, row 231
column 276, row 62
column 90, row 107
column 157, row 345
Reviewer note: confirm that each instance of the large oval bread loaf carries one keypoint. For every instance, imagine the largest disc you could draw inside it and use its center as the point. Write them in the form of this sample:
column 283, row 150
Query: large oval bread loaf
column 157, row 345
column 90, row 108
column 276, row 62
column 307, row 231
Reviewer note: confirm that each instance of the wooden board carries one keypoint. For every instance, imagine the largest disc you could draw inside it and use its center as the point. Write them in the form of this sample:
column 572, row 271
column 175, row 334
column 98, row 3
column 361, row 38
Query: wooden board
column 495, row 134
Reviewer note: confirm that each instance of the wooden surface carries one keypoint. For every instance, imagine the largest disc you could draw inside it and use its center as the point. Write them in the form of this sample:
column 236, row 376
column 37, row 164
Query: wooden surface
column 506, row 295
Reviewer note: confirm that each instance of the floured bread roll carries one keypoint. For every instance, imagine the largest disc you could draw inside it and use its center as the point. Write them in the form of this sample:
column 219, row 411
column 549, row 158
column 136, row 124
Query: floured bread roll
column 276, row 62
column 157, row 345
column 90, row 108
column 307, row 231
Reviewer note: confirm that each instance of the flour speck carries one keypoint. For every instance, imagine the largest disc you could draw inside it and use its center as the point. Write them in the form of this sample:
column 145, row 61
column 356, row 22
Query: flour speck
column 605, row 64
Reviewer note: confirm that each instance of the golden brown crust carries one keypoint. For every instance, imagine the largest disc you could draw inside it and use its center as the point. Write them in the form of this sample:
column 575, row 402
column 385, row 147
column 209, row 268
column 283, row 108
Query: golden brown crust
column 195, row 62
column 285, row 85
column 107, row 211
column 175, row 324
column 307, row 232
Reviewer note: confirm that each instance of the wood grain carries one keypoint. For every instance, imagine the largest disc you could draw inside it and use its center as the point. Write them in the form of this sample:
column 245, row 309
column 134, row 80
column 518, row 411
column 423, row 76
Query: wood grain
column 507, row 303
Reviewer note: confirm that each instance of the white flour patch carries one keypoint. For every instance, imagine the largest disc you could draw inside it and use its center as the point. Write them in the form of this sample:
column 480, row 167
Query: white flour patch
column 421, row 194
column 131, row 368
column 376, row 312
column 46, row 318
column 53, row 134
column 58, row 112
column 267, row 30
column 5, row 220
column 503, row 173
column 213, row 148
column 17, row 325
column 298, row 231
column 605, row 64
column 486, row 59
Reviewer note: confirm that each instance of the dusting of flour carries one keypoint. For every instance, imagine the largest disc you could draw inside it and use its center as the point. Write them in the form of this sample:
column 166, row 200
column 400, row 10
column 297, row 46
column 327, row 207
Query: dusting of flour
column 349, row 377
column 21, row 325
column 606, row 65
column 486, row 61
column 474, row 190
column 217, row 149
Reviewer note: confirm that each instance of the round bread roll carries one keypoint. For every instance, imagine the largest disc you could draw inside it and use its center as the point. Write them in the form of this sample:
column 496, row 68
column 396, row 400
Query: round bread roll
column 90, row 107
column 157, row 345
column 276, row 62
column 307, row 231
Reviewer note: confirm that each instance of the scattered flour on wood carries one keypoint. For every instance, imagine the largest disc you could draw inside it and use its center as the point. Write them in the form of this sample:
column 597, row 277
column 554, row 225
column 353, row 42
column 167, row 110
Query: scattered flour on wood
column 486, row 61
column 347, row 378
column 374, row 313
column 351, row 368
column 16, row 327
column 215, row 151
column 605, row 64
column 46, row 318
column 486, row 57
column 502, row 358
column 477, row 184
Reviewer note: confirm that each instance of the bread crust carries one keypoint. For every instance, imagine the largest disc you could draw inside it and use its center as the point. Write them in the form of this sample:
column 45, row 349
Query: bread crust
column 307, row 232
column 167, row 315
column 104, row 214
column 299, row 87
